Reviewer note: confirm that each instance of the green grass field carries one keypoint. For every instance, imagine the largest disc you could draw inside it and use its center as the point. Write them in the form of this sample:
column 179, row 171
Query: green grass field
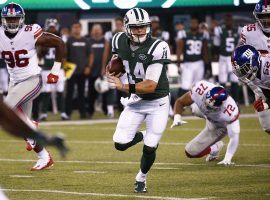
column 95, row 170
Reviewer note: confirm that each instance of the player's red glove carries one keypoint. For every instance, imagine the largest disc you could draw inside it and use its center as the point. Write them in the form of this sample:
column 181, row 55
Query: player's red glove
column 258, row 105
column 52, row 79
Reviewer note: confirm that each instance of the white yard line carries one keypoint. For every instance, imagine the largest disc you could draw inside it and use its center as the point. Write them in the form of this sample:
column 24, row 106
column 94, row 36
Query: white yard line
column 108, row 121
column 178, row 129
column 89, row 172
column 21, row 176
column 104, row 194
column 111, row 142
column 133, row 163
column 166, row 168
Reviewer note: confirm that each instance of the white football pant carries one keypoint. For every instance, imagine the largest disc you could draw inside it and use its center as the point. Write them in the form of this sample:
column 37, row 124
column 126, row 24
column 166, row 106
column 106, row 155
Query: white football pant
column 192, row 72
column 155, row 113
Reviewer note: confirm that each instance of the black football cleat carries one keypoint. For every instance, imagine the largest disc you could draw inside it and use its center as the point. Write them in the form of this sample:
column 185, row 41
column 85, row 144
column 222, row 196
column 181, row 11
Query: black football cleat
column 140, row 187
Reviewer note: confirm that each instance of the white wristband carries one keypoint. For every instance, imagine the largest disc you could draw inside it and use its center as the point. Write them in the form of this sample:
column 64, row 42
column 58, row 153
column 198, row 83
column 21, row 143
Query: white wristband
column 56, row 68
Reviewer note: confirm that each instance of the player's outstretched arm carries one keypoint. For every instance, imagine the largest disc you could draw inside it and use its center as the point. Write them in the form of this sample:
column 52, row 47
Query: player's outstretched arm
column 14, row 125
column 233, row 133
column 179, row 105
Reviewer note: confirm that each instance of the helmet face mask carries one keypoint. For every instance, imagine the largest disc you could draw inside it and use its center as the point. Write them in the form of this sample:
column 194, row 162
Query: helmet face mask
column 246, row 62
column 12, row 17
column 137, row 25
column 12, row 24
column 245, row 72
column 262, row 15
column 136, row 36
column 264, row 21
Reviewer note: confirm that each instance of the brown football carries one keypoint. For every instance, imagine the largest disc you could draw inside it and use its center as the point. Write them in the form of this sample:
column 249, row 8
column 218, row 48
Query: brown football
column 116, row 65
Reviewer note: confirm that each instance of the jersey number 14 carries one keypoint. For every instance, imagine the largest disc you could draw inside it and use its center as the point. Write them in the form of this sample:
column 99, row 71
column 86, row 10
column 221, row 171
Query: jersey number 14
column 138, row 72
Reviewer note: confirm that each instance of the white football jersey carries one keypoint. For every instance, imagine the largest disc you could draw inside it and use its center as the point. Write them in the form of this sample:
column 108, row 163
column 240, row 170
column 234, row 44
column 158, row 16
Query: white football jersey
column 252, row 34
column 263, row 76
column 227, row 113
column 20, row 52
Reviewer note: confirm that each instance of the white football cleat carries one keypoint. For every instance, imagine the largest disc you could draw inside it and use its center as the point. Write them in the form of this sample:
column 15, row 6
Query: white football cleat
column 214, row 155
column 43, row 163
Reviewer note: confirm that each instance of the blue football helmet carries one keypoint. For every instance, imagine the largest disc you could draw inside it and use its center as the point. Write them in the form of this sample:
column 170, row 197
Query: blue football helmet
column 12, row 17
column 215, row 97
column 262, row 15
column 246, row 61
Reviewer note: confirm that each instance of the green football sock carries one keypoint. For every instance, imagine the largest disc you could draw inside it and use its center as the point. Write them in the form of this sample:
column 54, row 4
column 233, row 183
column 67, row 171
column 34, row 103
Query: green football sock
column 147, row 160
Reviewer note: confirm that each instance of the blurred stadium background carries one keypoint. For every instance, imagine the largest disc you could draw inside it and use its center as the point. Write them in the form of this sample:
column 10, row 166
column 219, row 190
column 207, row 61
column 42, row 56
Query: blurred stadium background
column 173, row 15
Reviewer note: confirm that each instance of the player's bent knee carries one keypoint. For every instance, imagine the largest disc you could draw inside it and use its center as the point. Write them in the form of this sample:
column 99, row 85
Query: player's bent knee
column 195, row 154
column 188, row 154
column 121, row 147
column 191, row 152
column 149, row 150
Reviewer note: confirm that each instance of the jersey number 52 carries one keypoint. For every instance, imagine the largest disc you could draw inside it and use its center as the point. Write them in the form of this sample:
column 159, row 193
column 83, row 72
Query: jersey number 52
column 14, row 58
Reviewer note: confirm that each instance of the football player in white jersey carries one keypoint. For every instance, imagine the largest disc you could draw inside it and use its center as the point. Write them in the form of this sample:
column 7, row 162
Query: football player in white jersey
column 18, row 49
column 258, row 34
column 221, row 113
column 253, row 69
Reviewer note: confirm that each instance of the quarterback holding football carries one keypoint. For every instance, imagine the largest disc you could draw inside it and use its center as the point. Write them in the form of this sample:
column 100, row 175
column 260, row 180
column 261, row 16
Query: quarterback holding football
column 18, row 49
column 144, row 59
column 221, row 113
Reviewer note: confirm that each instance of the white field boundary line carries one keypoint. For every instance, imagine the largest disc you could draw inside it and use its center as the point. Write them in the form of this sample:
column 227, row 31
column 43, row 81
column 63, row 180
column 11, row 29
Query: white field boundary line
column 89, row 172
column 178, row 129
column 21, row 176
column 133, row 163
column 109, row 121
column 104, row 194
column 110, row 143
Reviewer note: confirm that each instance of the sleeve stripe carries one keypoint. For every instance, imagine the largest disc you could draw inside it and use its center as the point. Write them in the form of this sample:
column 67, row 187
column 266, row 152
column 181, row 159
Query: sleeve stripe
column 37, row 35
column 113, row 40
column 37, row 31
column 116, row 40
column 152, row 46
column 243, row 37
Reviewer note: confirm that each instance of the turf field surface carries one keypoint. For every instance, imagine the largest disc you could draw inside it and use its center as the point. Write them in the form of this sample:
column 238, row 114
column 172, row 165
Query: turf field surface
column 94, row 170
